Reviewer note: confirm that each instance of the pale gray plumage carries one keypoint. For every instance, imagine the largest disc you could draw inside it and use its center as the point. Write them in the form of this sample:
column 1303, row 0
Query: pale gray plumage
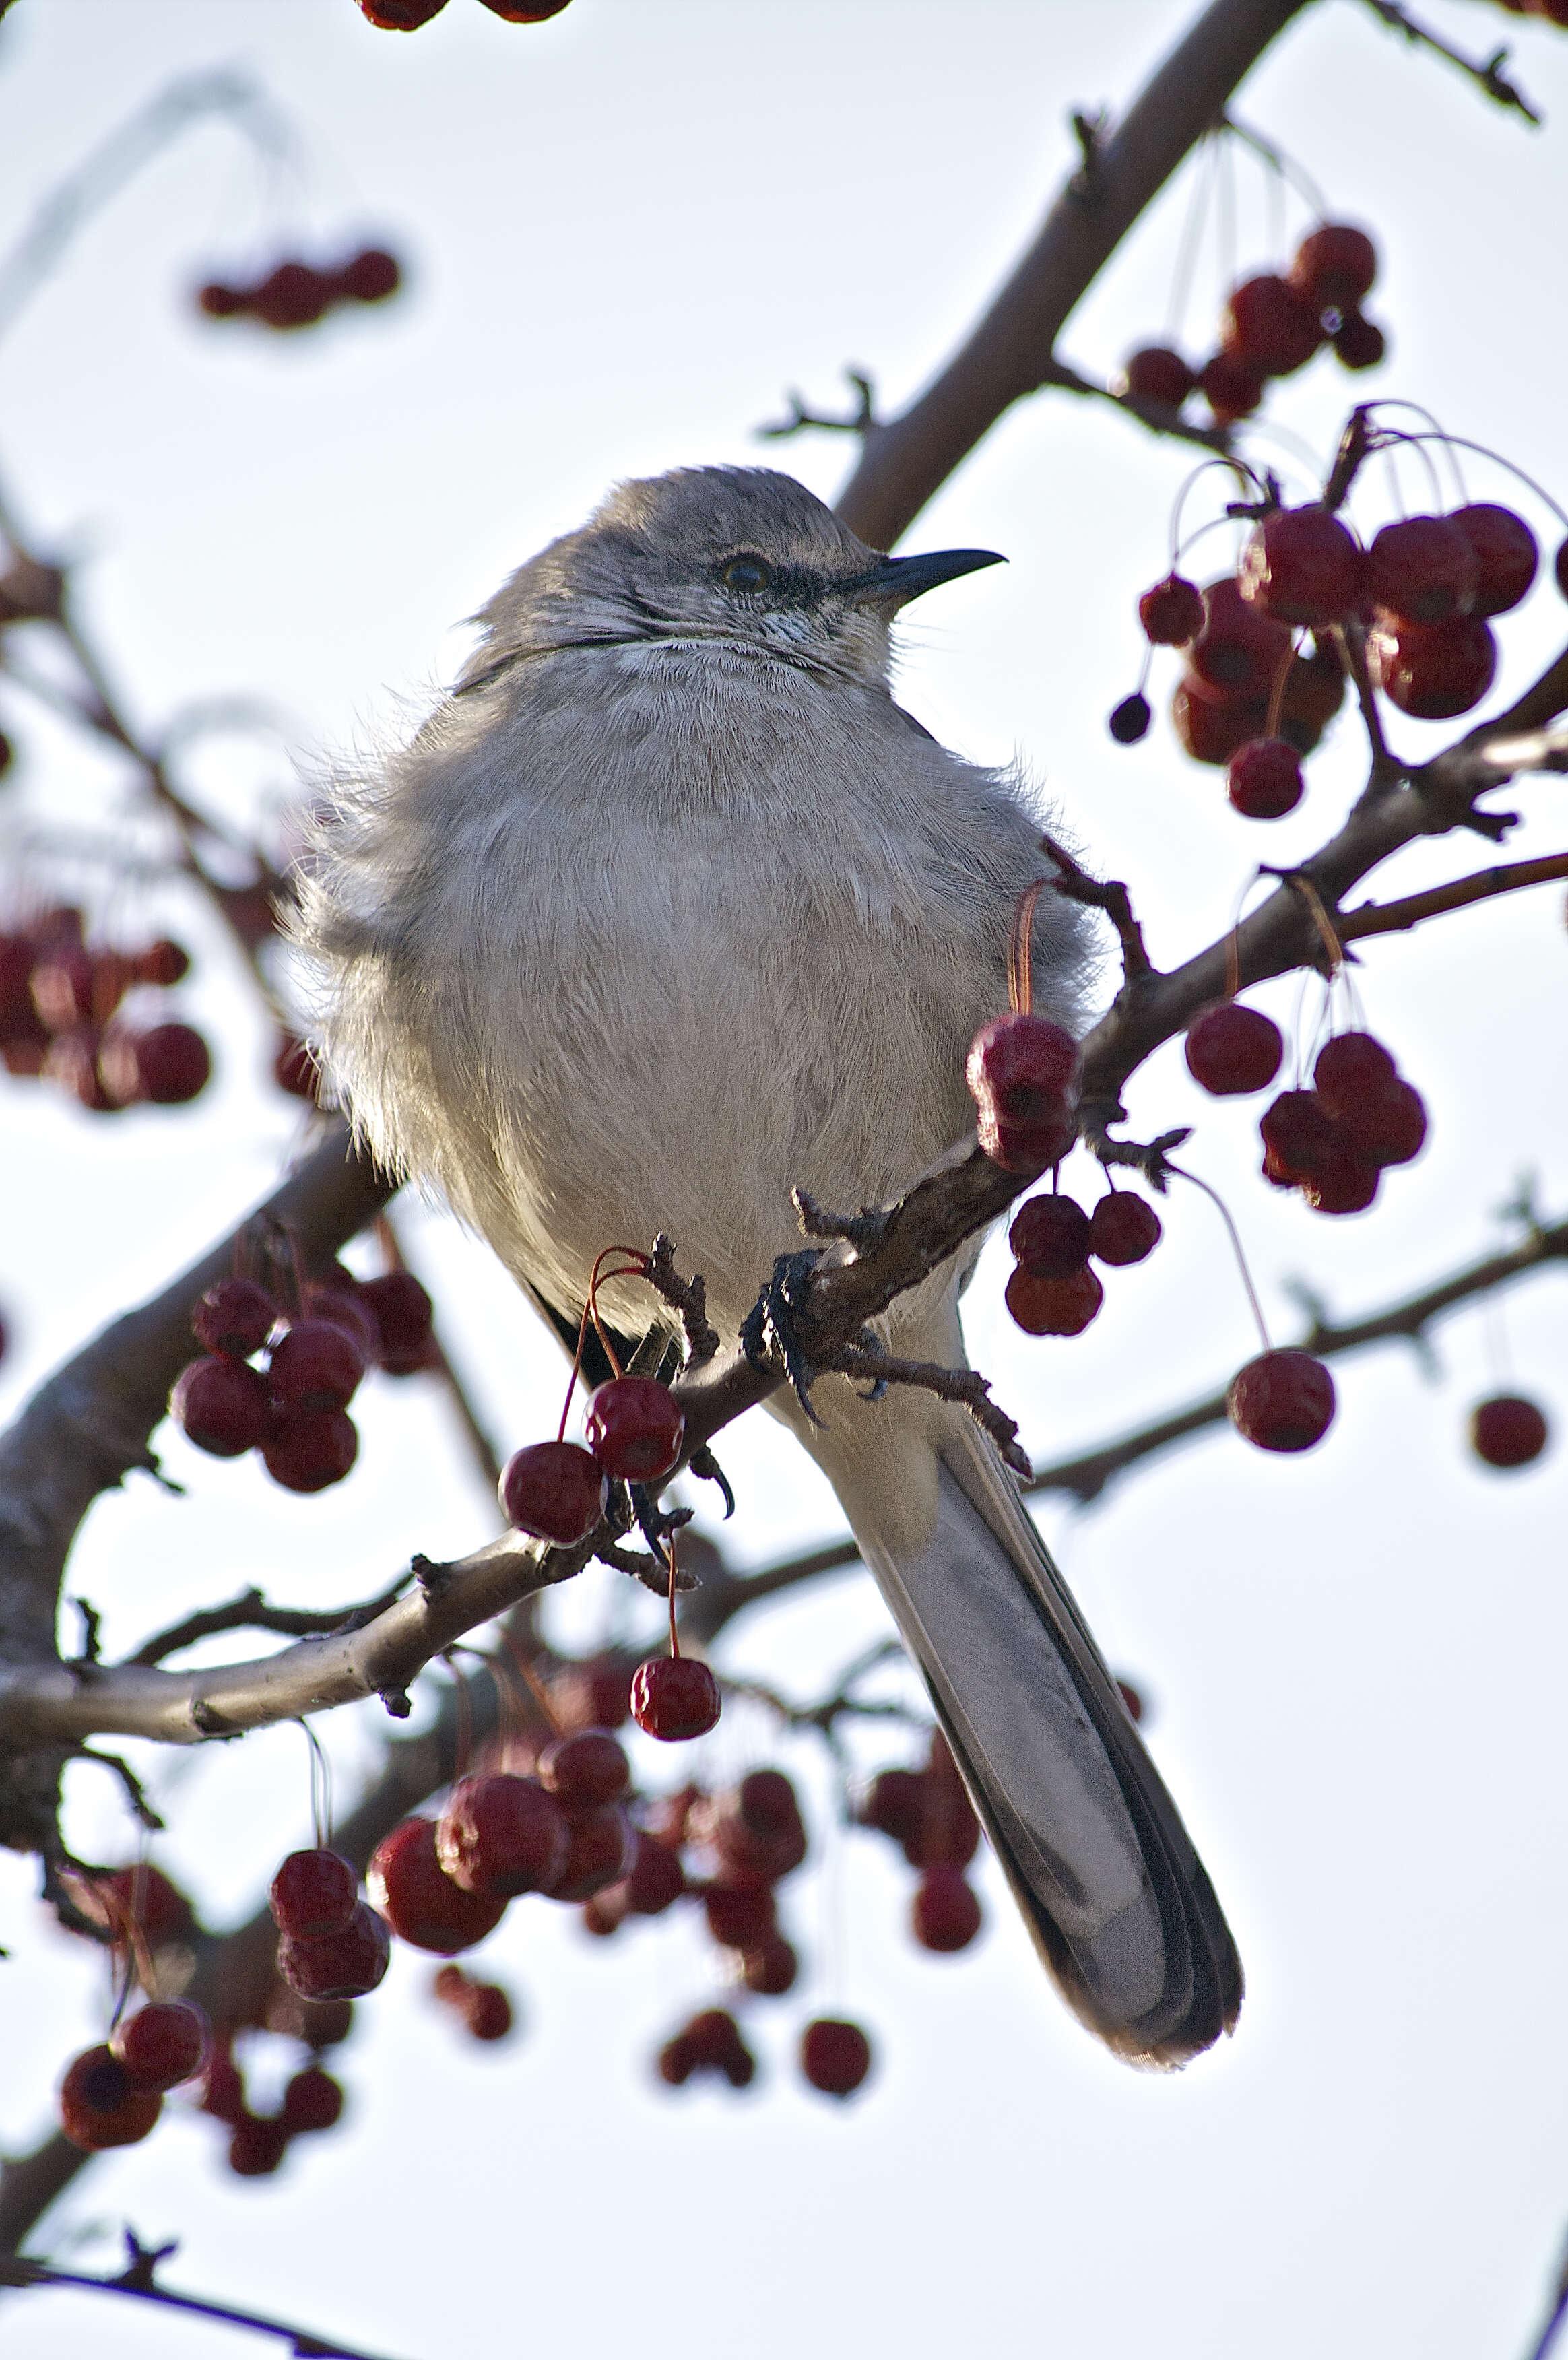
column 670, row 907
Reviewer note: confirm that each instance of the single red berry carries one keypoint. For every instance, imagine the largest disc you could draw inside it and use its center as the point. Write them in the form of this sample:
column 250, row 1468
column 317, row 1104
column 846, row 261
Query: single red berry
column 309, row 1454
column 1349, row 1068
column 674, row 1697
column 1433, row 672
column 223, row 1406
column 677, row 2062
column 655, row 1879
column 1021, row 1072
column 599, row 1847
column 1282, row 1401
column 1241, row 650
column 315, row 1892
column 1346, row 1185
column 1231, row 386
column 315, row 1369
column 1131, row 1698
column 1335, row 268
column 1050, row 1237
column 1209, row 725
column 294, row 1069
column 501, row 1835
column 1053, row 1306
column 947, row 1832
column 595, row 1694
column 1129, row 721
column 1423, row 569
column 635, row 1426
column 1124, row 1229
column 1505, row 555
column 525, row 11
column 1157, row 374
column 218, row 302
column 372, row 275
column 421, row 1903
column 235, row 1318
column 293, row 295
column 945, row 1913
column 101, row 2106
column 163, row 963
column 403, row 1314
column 488, row 2014
column 771, row 1968
column 835, row 2056
column 1232, row 1050
column 893, row 1804
column 740, row 1917
column 401, row 15
column 1172, row 612
column 163, row 2044
column 1300, row 1134
column 1507, row 1431
column 1268, row 327
column 1390, row 1127
column 342, row 1306
column 585, row 1770
column 311, row 2101
column 1358, row 343
column 1559, row 567
column 1263, row 779
column 554, row 1491
column 173, row 1063
column 345, row 1965
column 1300, row 565
column 258, row 2145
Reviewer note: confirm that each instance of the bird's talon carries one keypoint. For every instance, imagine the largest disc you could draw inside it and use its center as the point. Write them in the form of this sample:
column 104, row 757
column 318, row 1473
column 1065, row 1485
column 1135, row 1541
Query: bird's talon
column 769, row 1327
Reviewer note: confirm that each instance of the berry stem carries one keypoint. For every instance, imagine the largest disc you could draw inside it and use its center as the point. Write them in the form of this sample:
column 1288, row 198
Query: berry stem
column 670, row 1553
column 321, row 1790
column 1020, row 966
column 1214, row 1196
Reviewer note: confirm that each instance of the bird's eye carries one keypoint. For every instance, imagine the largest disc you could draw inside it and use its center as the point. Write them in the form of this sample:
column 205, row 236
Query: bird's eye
column 746, row 573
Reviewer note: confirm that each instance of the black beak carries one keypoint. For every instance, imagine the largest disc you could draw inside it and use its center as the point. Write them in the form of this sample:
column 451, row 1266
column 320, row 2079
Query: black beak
column 899, row 579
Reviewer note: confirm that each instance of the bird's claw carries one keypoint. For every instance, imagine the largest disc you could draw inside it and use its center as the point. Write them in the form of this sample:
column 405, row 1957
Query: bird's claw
column 770, row 1326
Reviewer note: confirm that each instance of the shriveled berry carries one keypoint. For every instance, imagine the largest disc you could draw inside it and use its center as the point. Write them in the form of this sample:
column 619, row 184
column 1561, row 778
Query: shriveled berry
column 101, row 2106
column 1335, row 268
column 1241, row 650
column 1505, row 555
column 1232, row 1050
column 1124, row 1229
column 945, row 1913
column 1300, row 1134
column 222, row 1406
column 403, row 1314
column 315, row 1892
column 674, row 1697
column 634, row 1427
column 1232, row 386
column 1172, row 612
column 315, row 1369
column 554, row 1490
column 311, row 2101
column 1050, row 1237
column 501, row 1835
column 309, row 1454
column 345, row 1965
column 1157, row 374
column 1300, row 565
column 1423, row 569
column 235, row 1318
column 421, row 1903
column 1268, row 327
column 162, row 2044
column 599, row 1847
column 1507, row 1430
column 835, row 2056
column 1053, row 1306
column 1263, row 779
column 585, row 1771
column 1433, row 672
column 1130, row 720
column 1282, row 1401
column 1359, row 343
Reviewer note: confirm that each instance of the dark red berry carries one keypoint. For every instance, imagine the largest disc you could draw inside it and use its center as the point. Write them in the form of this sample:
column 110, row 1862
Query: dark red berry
column 1349, row 1068
column 674, row 1697
column 309, row 1454
column 146, row 1896
column 1559, row 567
column 218, row 302
column 1388, row 1128
column 371, row 275
column 1172, row 612
column 1359, row 343
column 402, row 1312
column 1505, row 555
column 1124, row 1229
column 739, row 1918
column 172, row 1063
column 488, row 2014
column 1268, row 327
column 315, row 1369
column 1507, row 1431
column 315, row 1892
column 342, row 1306
column 101, row 2106
column 634, row 1427
column 258, row 2145
column 1335, row 268
column 1240, row 651
column 585, row 1771
column 1282, row 1401
column 1346, row 1185
column 893, row 1803
column 1423, row 569
column 1131, row 1698
column 771, row 1968
column 524, row 12
column 293, row 295
column 311, row 2101
column 599, row 1848
column 235, row 1318
column 835, row 2056
column 1022, row 1072
column 1157, row 374
column 1300, row 565
column 294, row 1069
column 1263, row 779
column 656, row 1878
column 593, row 1695
column 501, row 1835
column 1050, row 1237
column 1130, row 720
column 223, row 1406
column 1299, row 1135
column 401, row 15
column 554, row 1491
column 223, row 2089
column 163, row 2044
column 1209, row 725
column 1053, row 1306
column 1231, row 386
column 421, row 1903
column 945, row 1913
column 345, row 1965
column 757, row 1828
column 1434, row 671
column 1232, row 1050
column 163, row 963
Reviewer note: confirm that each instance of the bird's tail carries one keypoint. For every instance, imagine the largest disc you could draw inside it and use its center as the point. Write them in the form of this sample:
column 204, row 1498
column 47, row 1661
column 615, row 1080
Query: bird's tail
column 1116, row 1898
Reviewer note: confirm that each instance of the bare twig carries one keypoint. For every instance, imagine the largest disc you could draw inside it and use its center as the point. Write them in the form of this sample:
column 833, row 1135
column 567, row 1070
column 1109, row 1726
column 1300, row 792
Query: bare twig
column 1398, row 917
column 250, row 1611
column 965, row 1386
column 1157, row 416
column 1487, row 74
column 1075, row 884
column 137, row 2281
column 860, row 421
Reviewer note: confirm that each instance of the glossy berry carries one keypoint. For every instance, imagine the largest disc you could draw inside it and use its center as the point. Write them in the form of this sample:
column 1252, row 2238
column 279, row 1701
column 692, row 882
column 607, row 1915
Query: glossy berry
column 345, row 1965
column 401, row 15
column 173, row 1063
column 1172, row 612
column 945, row 1913
column 1505, row 555
column 635, row 1426
column 1232, row 1050
column 835, row 2056
column 315, row 1892
column 1263, row 779
column 101, row 2106
column 1232, row 386
column 1282, row 1401
column 1507, row 1431
column 501, row 1835
column 403, row 1314
column 674, row 1697
column 1053, row 1306
column 1267, row 326
column 311, row 2101
column 554, row 1491
column 1423, row 569
column 1435, row 672
column 1157, row 374
column 585, row 1770
column 1359, row 343
column 235, row 1318
column 422, row 1904
column 309, row 1454
column 371, row 275
column 1335, row 268
column 1124, row 1229
column 222, row 1406
column 162, row 2044
column 1130, row 720
column 1021, row 1073
column 1300, row 565
column 1050, row 1237
column 600, row 1848
column 315, row 1369
column 1241, row 650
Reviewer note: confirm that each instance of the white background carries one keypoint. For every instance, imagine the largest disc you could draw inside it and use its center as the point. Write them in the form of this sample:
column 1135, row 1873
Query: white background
column 628, row 232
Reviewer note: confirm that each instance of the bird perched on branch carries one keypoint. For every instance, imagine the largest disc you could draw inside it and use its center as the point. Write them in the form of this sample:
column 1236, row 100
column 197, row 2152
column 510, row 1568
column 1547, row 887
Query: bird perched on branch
column 667, row 908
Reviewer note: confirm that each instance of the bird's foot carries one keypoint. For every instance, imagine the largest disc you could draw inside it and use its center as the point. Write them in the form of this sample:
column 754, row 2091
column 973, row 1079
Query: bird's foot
column 654, row 1523
column 704, row 1463
column 771, row 1326
column 861, row 1232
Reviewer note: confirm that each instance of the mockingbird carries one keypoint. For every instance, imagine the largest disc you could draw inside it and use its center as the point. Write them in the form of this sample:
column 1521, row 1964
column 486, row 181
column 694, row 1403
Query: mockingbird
column 669, row 906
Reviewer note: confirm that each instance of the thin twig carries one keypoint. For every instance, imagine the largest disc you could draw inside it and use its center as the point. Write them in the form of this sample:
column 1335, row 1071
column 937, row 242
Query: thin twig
column 1398, row 917
column 250, row 1611
column 1488, row 76
column 1075, row 884
column 20, row 2270
column 1157, row 416
column 965, row 1386
column 860, row 421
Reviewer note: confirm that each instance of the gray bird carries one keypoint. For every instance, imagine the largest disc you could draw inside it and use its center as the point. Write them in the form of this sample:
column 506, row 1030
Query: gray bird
column 666, row 908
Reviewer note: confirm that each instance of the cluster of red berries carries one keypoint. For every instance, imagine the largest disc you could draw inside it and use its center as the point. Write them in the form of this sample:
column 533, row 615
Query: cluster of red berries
column 58, row 998
column 295, row 295
column 1053, row 1292
column 1507, row 1431
column 1272, row 326
column 113, row 2094
column 295, row 1411
column 1334, row 1141
column 312, row 2101
column 929, row 1814
column 408, row 16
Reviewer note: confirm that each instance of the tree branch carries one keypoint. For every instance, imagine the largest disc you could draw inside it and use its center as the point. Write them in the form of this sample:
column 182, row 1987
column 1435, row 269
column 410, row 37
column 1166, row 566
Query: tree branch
column 20, row 2270
column 1398, row 917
